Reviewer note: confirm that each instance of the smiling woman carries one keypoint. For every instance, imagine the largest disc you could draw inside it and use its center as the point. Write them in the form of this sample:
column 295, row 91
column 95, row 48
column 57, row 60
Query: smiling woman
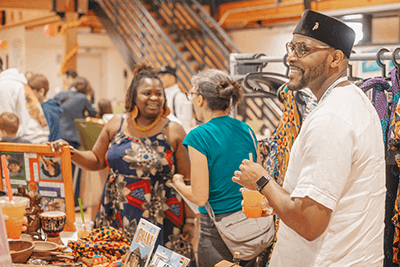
column 143, row 150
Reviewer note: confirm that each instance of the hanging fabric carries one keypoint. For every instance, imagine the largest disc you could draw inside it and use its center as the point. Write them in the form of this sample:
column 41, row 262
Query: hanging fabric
column 379, row 87
column 274, row 151
column 393, row 178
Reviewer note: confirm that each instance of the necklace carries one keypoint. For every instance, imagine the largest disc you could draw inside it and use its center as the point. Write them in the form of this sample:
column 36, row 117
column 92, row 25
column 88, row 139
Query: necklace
column 146, row 128
column 342, row 79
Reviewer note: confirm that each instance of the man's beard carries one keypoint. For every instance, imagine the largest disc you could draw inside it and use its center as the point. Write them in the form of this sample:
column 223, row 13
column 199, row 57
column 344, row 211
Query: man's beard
column 315, row 72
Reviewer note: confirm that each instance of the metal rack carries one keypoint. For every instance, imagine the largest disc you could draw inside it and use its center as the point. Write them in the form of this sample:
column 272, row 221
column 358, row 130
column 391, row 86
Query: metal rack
column 242, row 64
column 243, row 59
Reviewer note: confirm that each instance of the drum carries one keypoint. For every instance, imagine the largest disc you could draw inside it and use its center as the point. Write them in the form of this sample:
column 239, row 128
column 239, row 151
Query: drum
column 53, row 222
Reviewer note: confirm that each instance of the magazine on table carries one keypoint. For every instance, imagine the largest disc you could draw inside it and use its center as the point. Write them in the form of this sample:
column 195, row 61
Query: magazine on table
column 164, row 257
column 142, row 244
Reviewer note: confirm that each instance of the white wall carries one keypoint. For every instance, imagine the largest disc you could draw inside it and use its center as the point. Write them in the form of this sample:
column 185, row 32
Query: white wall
column 16, row 48
column 43, row 54
column 270, row 41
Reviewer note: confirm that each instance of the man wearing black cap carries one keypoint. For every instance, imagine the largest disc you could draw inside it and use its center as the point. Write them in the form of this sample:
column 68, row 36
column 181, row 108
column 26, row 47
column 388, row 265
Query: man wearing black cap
column 331, row 204
column 180, row 107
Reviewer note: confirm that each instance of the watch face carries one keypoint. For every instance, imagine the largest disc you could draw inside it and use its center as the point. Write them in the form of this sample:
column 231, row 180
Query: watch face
column 263, row 181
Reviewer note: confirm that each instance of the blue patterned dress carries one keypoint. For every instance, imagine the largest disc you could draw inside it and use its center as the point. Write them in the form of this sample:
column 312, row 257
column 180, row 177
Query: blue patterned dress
column 136, row 187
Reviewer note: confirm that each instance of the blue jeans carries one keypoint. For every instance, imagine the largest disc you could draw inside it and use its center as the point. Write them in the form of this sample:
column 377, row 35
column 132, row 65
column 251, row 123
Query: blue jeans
column 212, row 248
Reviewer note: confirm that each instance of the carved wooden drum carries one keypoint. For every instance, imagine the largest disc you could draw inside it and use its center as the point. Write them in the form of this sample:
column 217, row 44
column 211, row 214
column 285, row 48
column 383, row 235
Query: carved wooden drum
column 53, row 222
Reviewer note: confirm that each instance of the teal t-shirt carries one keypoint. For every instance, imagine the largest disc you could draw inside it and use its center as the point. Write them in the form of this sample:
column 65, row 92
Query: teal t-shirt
column 225, row 142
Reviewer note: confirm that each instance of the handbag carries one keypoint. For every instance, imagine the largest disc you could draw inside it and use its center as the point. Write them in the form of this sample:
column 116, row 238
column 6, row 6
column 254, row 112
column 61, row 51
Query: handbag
column 248, row 236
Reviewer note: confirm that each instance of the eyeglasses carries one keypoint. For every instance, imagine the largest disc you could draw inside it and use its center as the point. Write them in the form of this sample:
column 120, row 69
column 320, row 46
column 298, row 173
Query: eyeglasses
column 301, row 49
column 189, row 95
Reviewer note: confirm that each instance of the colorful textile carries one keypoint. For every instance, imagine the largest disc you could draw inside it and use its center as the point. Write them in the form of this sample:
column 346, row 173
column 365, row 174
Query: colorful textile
column 379, row 88
column 136, row 187
column 395, row 99
column 394, row 144
column 274, row 151
column 101, row 241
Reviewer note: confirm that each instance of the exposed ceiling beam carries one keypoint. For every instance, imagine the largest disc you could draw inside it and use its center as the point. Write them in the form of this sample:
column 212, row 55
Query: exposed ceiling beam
column 262, row 12
column 273, row 11
column 33, row 22
column 27, row 4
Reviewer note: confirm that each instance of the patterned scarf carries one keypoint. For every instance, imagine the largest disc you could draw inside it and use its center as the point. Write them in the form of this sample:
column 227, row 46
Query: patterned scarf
column 274, row 151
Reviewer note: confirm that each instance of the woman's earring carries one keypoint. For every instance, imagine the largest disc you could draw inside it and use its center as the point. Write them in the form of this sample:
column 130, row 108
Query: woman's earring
column 135, row 112
column 165, row 113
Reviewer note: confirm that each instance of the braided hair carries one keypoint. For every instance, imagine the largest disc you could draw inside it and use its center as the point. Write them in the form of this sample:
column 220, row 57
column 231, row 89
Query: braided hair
column 141, row 71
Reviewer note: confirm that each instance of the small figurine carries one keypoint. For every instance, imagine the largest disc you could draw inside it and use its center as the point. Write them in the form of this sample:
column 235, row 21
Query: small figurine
column 21, row 192
column 33, row 216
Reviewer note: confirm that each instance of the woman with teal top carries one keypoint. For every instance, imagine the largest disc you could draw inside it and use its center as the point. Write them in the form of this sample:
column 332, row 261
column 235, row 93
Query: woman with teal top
column 216, row 149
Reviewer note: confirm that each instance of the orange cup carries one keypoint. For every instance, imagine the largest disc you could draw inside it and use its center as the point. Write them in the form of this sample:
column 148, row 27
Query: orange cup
column 252, row 199
column 15, row 210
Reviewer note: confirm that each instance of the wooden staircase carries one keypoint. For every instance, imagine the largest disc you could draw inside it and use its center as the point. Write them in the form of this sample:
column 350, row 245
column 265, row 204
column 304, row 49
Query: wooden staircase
column 182, row 34
column 177, row 33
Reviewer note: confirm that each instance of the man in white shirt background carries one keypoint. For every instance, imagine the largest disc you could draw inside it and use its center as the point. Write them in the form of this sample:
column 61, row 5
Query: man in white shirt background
column 180, row 107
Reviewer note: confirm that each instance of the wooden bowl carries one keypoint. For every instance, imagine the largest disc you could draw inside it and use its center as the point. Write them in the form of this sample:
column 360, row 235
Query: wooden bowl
column 20, row 250
column 44, row 248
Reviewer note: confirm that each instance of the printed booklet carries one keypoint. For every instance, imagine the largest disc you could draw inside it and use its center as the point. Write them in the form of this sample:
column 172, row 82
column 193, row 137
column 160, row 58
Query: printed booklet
column 143, row 243
column 167, row 258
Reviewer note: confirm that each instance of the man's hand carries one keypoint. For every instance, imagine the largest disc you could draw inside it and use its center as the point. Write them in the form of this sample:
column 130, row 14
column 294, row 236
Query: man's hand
column 249, row 173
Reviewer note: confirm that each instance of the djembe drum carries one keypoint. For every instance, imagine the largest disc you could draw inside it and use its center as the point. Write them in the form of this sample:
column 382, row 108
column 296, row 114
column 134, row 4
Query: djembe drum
column 53, row 223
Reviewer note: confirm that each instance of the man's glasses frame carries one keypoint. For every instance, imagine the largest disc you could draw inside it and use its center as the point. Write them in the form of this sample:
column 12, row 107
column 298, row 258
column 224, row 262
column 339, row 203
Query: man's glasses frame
column 301, row 49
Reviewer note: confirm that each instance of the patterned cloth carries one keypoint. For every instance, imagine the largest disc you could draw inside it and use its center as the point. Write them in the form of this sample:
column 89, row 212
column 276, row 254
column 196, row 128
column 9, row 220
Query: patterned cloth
column 274, row 151
column 101, row 241
column 136, row 187
column 385, row 98
column 379, row 88
column 394, row 133
column 395, row 100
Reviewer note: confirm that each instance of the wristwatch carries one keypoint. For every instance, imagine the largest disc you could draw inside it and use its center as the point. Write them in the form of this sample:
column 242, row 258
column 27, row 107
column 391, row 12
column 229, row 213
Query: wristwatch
column 262, row 182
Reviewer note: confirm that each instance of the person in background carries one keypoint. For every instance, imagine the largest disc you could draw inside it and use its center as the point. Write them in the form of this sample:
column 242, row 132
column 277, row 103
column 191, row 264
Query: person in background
column 69, row 79
column 143, row 149
column 9, row 124
column 180, row 107
column 214, row 156
column 18, row 98
column 332, row 203
column 75, row 105
column 51, row 107
column 104, row 110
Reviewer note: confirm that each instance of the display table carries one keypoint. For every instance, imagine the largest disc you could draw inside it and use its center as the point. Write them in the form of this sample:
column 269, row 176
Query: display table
column 78, row 264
